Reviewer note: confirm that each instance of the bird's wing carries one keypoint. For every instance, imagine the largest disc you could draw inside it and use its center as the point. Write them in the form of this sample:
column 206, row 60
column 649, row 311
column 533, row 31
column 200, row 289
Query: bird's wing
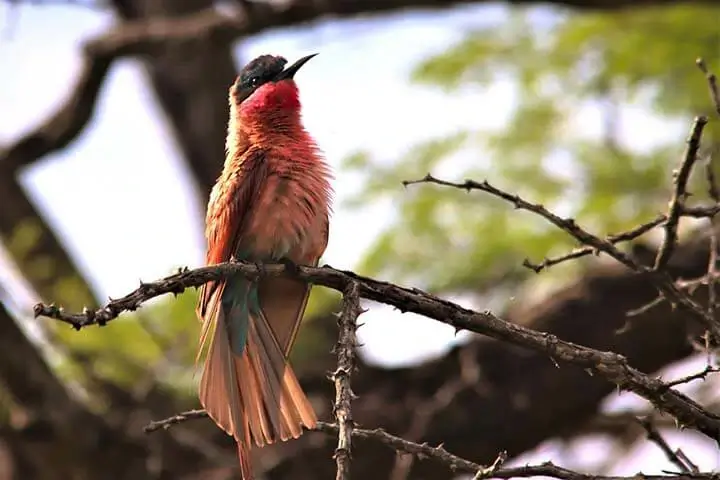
column 231, row 205
column 229, row 210
column 283, row 300
column 247, row 387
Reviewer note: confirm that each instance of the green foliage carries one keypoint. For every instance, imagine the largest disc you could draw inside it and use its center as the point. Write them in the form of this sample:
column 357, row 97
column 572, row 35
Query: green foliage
column 47, row 275
column 560, row 67
column 158, row 342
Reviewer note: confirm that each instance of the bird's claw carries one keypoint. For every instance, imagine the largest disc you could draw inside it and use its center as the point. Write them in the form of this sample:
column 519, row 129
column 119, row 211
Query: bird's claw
column 290, row 266
column 261, row 269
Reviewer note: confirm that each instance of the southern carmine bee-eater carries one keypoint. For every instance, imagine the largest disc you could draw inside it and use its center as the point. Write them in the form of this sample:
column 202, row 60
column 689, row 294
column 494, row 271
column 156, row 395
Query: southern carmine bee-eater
column 271, row 204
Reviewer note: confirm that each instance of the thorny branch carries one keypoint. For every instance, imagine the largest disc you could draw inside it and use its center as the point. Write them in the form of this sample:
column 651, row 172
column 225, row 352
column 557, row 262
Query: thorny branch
column 712, row 84
column 680, row 193
column 660, row 279
column 693, row 212
column 347, row 323
column 677, row 209
column 609, row 365
column 695, row 376
column 676, row 457
column 453, row 462
column 713, row 193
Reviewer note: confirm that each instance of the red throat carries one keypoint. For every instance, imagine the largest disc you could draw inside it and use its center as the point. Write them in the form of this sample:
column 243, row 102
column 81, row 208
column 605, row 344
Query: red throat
column 272, row 100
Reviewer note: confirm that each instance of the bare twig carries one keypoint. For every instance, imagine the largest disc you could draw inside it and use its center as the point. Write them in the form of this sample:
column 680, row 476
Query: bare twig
column 166, row 423
column 710, row 278
column 714, row 193
column 491, row 471
column 609, row 365
column 680, row 193
column 701, row 212
column 640, row 310
column 694, row 212
column 695, row 376
column 654, row 436
column 688, row 285
column 712, row 84
column 683, row 457
column 453, row 462
column 347, row 323
column 584, row 251
column 423, row 450
column 660, row 279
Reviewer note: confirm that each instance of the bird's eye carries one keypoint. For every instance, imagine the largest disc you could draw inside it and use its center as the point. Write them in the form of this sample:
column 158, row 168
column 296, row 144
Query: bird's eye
column 254, row 81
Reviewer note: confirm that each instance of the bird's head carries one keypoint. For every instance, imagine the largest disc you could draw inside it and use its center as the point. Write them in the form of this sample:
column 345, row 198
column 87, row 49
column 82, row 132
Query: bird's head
column 265, row 86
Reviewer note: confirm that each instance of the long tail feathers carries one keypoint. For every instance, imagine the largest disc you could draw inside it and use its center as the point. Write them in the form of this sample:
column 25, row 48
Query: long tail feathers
column 255, row 397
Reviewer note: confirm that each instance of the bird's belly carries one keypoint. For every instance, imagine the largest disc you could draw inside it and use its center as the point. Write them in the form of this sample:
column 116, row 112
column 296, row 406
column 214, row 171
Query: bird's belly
column 282, row 245
column 284, row 233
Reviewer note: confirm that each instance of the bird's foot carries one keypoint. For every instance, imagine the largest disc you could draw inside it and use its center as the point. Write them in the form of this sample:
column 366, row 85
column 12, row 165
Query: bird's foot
column 261, row 269
column 290, row 266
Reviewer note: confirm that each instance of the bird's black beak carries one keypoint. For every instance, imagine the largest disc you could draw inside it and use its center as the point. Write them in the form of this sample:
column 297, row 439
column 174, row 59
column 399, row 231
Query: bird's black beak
column 290, row 72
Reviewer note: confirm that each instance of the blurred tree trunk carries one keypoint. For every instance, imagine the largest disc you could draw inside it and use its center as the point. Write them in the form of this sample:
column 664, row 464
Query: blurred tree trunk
column 36, row 249
column 54, row 436
column 191, row 83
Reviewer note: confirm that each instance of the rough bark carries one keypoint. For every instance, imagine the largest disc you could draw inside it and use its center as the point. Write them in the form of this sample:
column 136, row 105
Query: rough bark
column 514, row 399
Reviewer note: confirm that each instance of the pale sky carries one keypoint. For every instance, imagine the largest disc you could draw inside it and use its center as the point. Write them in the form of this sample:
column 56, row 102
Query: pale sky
column 356, row 95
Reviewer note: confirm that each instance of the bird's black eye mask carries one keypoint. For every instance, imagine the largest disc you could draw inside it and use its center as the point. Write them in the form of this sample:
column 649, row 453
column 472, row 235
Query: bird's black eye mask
column 258, row 72
column 264, row 69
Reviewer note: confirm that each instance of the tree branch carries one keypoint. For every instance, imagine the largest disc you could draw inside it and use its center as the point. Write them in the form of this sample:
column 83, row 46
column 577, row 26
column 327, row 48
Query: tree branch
column 632, row 234
column 660, row 279
column 453, row 462
column 712, row 84
column 680, row 193
column 347, row 323
column 654, row 436
column 611, row 366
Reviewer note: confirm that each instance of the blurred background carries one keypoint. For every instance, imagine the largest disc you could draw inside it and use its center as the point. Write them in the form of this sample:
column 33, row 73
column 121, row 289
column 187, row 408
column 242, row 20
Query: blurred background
column 112, row 126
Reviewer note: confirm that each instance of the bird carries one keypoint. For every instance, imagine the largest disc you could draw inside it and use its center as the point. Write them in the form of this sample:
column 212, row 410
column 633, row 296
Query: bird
column 270, row 204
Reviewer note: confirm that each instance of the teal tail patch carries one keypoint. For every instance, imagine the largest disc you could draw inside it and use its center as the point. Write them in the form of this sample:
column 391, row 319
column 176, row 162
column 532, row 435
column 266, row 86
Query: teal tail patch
column 239, row 300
